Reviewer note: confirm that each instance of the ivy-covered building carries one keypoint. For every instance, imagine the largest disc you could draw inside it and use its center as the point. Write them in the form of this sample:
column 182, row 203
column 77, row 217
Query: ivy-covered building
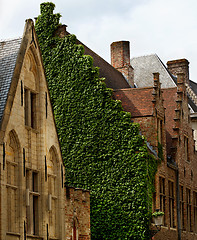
column 162, row 99
column 103, row 149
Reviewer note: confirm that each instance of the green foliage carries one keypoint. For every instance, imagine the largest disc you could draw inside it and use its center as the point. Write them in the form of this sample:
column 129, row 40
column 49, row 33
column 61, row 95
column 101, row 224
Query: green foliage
column 157, row 214
column 101, row 148
column 160, row 151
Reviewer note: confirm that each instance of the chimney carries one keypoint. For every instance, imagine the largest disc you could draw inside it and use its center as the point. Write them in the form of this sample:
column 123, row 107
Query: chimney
column 120, row 59
column 61, row 31
column 179, row 66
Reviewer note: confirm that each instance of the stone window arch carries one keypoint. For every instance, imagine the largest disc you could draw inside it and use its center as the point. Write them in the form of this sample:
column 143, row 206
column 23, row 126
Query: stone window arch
column 12, row 183
column 54, row 184
column 31, row 88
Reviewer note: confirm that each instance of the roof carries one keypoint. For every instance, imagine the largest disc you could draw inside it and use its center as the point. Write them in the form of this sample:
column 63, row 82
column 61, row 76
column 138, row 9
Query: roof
column 145, row 66
column 8, row 55
column 113, row 78
column 193, row 86
column 137, row 101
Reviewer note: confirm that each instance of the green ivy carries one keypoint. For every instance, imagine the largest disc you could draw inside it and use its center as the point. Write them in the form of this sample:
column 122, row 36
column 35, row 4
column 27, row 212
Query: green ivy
column 102, row 150
column 160, row 151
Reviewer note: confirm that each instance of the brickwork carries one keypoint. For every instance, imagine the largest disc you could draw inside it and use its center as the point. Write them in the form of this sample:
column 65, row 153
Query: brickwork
column 181, row 167
column 176, row 179
column 120, row 59
column 179, row 66
column 77, row 211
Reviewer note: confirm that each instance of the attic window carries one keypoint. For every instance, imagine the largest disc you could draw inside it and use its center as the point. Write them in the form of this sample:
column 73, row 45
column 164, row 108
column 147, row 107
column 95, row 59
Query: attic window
column 30, row 109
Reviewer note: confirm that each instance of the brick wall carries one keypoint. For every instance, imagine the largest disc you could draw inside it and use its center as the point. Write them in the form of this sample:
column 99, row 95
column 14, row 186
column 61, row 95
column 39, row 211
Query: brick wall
column 77, row 212
column 120, row 59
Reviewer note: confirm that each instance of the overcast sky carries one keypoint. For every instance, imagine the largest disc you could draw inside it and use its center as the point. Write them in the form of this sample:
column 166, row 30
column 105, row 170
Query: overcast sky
column 165, row 27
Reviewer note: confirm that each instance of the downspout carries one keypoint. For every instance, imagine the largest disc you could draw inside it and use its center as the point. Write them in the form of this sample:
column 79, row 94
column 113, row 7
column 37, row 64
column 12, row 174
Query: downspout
column 178, row 205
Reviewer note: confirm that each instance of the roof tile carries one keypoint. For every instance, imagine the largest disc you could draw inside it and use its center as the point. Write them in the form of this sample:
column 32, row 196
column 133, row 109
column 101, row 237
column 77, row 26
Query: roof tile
column 137, row 101
column 8, row 55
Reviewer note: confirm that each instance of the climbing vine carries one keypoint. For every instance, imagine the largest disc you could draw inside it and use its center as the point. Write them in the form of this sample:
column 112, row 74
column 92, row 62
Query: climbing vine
column 102, row 150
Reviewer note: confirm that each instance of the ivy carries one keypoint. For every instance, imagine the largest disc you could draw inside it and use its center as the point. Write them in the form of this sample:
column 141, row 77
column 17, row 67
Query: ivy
column 102, row 150
column 160, row 151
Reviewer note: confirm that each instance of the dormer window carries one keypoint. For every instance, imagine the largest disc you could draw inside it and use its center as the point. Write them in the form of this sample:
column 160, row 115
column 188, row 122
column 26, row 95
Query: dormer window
column 30, row 109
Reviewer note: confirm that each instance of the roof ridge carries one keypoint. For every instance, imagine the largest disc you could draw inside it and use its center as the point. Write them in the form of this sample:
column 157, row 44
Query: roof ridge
column 146, row 55
column 10, row 39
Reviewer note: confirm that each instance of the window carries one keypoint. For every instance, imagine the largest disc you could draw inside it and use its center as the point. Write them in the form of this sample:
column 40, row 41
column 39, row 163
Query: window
column 52, row 179
column 186, row 148
column 33, row 110
column 32, row 200
column 12, row 184
column 171, row 203
column 159, row 130
column 182, row 204
column 30, row 109
column 162, row 197
column 189, row 208
column 195, row 211
column 26, row 107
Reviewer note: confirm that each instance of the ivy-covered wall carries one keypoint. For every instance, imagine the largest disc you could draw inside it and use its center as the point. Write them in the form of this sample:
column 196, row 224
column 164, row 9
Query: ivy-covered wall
column 102, row 150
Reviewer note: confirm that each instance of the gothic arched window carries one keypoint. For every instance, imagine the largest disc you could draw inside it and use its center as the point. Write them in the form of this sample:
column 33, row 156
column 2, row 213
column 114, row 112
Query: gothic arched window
column 12, row 156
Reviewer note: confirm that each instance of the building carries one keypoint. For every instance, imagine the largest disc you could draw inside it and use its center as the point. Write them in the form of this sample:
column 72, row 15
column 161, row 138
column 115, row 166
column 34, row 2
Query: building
column 34, row 203
column 164, row 117
column 165, row 106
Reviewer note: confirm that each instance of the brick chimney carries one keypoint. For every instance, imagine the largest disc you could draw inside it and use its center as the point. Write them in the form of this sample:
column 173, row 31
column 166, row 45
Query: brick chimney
column 120, row 59
column 61, row 31
column 179, row 66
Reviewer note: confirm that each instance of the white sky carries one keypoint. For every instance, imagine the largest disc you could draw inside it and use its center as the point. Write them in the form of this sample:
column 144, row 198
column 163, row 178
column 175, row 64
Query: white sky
column 167, row 28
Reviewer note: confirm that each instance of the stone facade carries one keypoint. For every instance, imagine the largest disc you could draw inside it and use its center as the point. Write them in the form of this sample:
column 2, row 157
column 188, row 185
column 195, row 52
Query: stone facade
column 33, row 201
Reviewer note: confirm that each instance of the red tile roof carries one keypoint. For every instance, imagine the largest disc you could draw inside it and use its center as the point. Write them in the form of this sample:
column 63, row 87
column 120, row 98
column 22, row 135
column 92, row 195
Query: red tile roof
column 137, row 101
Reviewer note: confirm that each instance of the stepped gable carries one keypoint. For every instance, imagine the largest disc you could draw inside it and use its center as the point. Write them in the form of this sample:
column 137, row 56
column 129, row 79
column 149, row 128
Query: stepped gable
column 8, row 55
column 170, row 97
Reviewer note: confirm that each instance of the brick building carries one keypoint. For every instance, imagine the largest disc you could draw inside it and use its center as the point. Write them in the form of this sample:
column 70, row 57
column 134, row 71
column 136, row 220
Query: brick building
column 34, row 203
column 164, row 117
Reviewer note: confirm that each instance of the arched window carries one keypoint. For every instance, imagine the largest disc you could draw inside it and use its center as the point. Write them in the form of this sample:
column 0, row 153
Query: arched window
column 12, row 156
column 53, row 186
